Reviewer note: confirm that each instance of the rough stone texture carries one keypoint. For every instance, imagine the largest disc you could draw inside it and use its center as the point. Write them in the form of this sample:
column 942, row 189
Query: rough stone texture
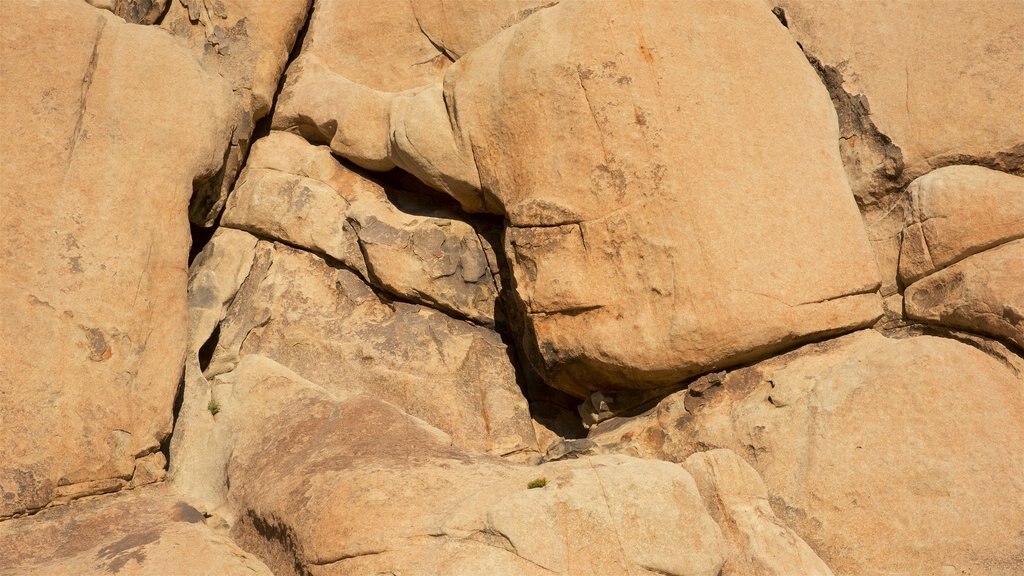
column 247, row 42
column 738, row 501
column 324, row 323
column 982, row 294
column 295, row 192
column 955, row 212
column 95, row 237
column 660, row 225
column 917, row 86
column 324, row 481
column 886, row 456
column 144, row 532
column 358, row 54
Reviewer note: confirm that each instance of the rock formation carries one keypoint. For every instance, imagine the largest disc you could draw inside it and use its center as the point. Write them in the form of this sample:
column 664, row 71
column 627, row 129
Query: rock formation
column 572, row 287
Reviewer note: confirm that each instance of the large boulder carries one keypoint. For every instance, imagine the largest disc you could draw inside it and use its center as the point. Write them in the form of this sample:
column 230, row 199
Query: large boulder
column 359, row 53
column 668, row 222
column 887, row 456
column 145, row 532
column 96, row 239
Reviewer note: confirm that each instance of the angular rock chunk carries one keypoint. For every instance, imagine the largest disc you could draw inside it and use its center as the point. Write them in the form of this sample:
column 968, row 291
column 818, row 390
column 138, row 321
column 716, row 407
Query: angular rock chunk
column 886, row 456
column 247, row 42
column 983, row 293
column 95, row 235
column 297, row 193
column 667, row 223
column 323, row 322
column 955, row 212
column 146, row 532
column 323, row 470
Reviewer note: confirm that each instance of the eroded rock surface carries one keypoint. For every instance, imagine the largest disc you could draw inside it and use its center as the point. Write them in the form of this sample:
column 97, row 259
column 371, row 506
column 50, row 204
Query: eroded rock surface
column 629, row 234
column 309, row 494
column 96, row 237
column 913, row 439
column 325, row 323
column 146, row 532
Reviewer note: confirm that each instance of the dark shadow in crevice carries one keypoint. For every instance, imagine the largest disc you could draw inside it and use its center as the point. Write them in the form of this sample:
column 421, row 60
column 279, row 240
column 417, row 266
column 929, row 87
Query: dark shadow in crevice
column 179, row 397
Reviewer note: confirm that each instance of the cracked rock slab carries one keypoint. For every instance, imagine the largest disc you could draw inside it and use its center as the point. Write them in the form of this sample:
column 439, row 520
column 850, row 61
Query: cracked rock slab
column 95, row 236
column 323, row 322
column 144, row 532
column 983, row 294
column 886, row 456
column 298, row 193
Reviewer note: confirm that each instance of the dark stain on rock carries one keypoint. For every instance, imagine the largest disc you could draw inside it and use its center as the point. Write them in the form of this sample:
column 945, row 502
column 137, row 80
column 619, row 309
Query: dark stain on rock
column 116, row 555
column 185, row 513
column 99, row 350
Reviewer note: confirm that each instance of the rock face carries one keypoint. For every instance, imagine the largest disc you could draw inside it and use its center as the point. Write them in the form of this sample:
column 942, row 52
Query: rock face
column 149, row 531
column 512, row 287
column 297, row 193
column 324, row 322
column 911, row 97
column 247, row 43
column 626, row 235
column 324, row 481
column 95, row 233
column 862, row 436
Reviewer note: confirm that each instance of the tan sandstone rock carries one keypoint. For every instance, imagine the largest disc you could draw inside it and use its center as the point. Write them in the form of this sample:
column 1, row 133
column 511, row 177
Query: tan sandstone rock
column 247, row 42
column 955, row 212
column 324, row 469
column 738, row 501
column 326, row 324
column 886, row 456
column 145, row 532
column 298, row 193
column 96, row 238
column 358, row 54
column 918, row 86
column 983, row 293
column 643, row 205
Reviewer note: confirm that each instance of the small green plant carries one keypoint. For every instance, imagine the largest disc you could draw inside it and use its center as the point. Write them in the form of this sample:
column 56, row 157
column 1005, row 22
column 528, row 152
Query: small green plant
column 538, row 483
column 213, row 407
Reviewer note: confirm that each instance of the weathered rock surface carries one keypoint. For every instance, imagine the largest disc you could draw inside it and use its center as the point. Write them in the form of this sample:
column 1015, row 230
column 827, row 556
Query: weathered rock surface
column 358, row 54
column 309, row 494
column 627, row 235
column 983, row 294
column 95, row 240
column 738, row 501
column 325, row 323
column 912, row 97
column 886, row 456
column 247, row 42
column 298, row 193
column 955, row 212
column 149, row 531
